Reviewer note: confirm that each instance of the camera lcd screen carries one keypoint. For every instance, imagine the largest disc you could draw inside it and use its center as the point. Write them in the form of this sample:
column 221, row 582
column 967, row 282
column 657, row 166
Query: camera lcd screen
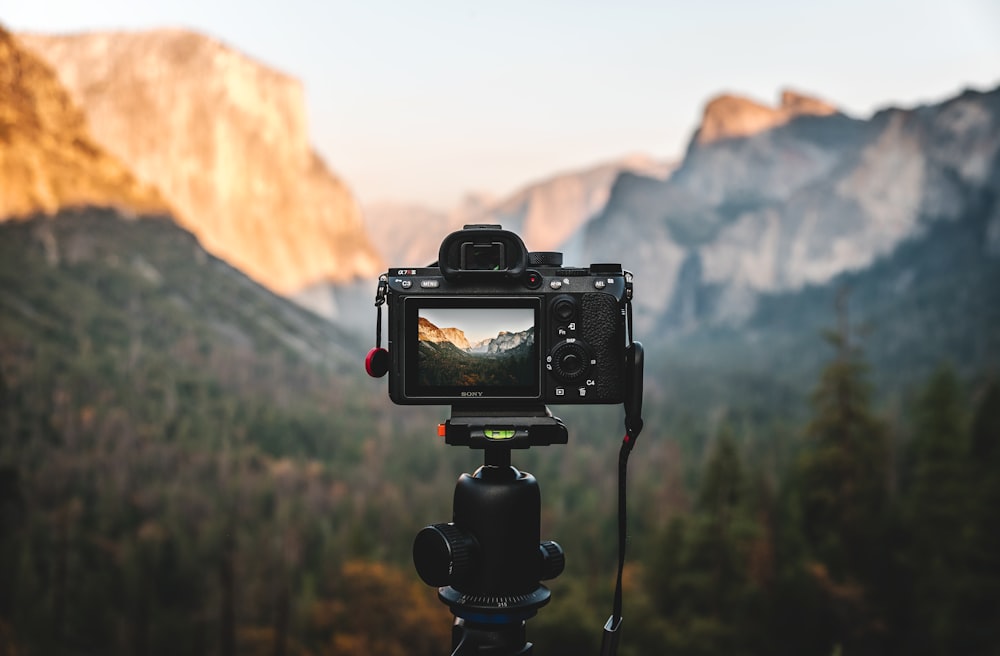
column 467, row 348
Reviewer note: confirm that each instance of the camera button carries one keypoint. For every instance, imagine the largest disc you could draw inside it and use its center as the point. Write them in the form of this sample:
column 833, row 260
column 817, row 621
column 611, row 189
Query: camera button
column 600, row 284
column 556, row 284
column 560, row 391
column 429, row 284
column 406, row 284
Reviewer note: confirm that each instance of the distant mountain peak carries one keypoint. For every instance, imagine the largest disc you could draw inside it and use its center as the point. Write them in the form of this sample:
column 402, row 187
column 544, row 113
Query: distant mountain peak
column 797, row 203
column 728, row 116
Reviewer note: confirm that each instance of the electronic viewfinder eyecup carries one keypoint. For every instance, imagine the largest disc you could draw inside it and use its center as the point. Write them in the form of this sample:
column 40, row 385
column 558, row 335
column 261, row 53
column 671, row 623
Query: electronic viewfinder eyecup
column 482, row 252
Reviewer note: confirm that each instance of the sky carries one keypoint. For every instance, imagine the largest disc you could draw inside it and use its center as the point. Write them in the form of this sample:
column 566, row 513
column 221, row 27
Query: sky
column 427, row 102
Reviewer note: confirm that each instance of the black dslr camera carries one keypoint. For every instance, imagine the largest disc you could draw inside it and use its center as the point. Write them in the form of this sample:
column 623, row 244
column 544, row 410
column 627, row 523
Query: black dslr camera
column 491, row 324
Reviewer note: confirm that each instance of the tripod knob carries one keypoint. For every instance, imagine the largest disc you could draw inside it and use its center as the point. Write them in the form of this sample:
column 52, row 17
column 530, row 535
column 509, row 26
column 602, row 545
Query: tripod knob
column 553, row 559
column 444, row 553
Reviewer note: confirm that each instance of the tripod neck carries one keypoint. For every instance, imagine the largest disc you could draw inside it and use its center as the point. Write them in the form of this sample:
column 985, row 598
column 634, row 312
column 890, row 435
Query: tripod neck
column 497, row 456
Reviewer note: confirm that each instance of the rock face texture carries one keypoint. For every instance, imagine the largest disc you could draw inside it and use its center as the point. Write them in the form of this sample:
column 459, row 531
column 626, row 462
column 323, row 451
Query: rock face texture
column 792, row 203
column 48, row 158
column 224, row 139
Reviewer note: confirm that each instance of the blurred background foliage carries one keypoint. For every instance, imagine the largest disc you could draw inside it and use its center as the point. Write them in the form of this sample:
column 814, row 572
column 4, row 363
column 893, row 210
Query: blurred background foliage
column 177, row 478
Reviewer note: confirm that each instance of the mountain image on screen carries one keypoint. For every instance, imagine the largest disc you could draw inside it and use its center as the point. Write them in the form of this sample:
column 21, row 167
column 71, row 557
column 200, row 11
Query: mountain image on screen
column 446, row 358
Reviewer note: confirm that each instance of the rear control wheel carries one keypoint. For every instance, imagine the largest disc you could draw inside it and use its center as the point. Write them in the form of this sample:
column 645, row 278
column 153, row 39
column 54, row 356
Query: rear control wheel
column 570, row 361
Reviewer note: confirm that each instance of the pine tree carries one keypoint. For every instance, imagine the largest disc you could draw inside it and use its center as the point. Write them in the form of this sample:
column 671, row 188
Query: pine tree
column 935, row 513
column 842, row 478
column 700, row 581
column 980, row 607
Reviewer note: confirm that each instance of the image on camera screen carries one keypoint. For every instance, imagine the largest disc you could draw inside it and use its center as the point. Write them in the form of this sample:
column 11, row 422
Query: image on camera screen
column 476, row 348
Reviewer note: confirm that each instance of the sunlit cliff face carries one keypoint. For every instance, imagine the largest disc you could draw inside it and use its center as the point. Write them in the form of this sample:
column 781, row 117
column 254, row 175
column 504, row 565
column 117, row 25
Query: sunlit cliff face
column 728, row 116
column 225, row 140
column 48, row 157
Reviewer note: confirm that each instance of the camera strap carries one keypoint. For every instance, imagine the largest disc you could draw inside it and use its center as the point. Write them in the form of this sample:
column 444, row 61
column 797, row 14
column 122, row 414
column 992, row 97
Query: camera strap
column 380, row 293
column 634, row 361
column 377, row 361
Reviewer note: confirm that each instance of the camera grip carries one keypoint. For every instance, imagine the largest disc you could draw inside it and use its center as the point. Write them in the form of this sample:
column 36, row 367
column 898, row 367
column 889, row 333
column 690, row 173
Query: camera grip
column 602, row 330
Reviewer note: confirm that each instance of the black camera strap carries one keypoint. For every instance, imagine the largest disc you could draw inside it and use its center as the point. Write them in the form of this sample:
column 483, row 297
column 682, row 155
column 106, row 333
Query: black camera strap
column 377, row 361
column 633, row 426
column 383, row 289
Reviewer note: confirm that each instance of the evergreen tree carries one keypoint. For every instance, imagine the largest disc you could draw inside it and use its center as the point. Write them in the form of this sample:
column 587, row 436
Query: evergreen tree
column 980, row 606
column 700, row 579
column 935, row 515
column 842, row 478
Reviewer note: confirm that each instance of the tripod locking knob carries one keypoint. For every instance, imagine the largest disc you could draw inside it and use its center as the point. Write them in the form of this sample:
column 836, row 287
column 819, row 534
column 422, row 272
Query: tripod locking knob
column 553, row 560
column 444, row 554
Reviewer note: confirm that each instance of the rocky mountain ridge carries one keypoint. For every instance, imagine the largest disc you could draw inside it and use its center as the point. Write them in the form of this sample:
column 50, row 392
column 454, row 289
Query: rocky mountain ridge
column 410, row 235
column 505, row 341
column 225, row 139
column 794, row 205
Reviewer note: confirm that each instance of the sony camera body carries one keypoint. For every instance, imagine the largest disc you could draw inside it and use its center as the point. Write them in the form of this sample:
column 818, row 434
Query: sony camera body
column 493, row 326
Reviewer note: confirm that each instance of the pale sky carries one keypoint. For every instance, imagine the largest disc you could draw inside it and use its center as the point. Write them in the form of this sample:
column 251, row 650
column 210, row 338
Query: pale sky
column 427, row 101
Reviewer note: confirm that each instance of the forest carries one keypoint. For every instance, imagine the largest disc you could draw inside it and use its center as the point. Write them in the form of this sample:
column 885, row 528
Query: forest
column 167, row 491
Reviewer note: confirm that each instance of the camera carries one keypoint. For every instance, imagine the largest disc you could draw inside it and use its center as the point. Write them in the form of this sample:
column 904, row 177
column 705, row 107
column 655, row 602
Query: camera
column 491, row 325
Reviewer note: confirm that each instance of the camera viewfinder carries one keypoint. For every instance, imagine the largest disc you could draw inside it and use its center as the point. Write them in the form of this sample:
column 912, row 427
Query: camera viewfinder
column 488, row 256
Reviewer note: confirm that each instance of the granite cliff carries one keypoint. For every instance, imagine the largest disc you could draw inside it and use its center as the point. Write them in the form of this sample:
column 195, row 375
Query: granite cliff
column 48, row 158
column 224, row 138
column 774, row 200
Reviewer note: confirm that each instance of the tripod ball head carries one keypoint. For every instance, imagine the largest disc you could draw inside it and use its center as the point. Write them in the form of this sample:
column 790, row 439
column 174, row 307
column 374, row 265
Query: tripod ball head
column 444, row 555
column 489, row 561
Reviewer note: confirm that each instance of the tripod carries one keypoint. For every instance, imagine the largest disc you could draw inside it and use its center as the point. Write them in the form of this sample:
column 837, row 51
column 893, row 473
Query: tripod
column 489, row 560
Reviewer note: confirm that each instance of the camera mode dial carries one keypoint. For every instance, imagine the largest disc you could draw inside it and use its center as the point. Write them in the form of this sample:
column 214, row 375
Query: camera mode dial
column 570, row 360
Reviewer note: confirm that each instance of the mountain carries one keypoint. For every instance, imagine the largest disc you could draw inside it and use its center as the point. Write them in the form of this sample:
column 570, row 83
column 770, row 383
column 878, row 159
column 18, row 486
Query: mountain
column 771, row 201
column 224, row 138
column 730, row 116
column 933, row 301
column 98, row 279
column 48, row 157
column 506, row 341
column 446, row 358
column 428, row 332
column 547, row 214
column 144, row 287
